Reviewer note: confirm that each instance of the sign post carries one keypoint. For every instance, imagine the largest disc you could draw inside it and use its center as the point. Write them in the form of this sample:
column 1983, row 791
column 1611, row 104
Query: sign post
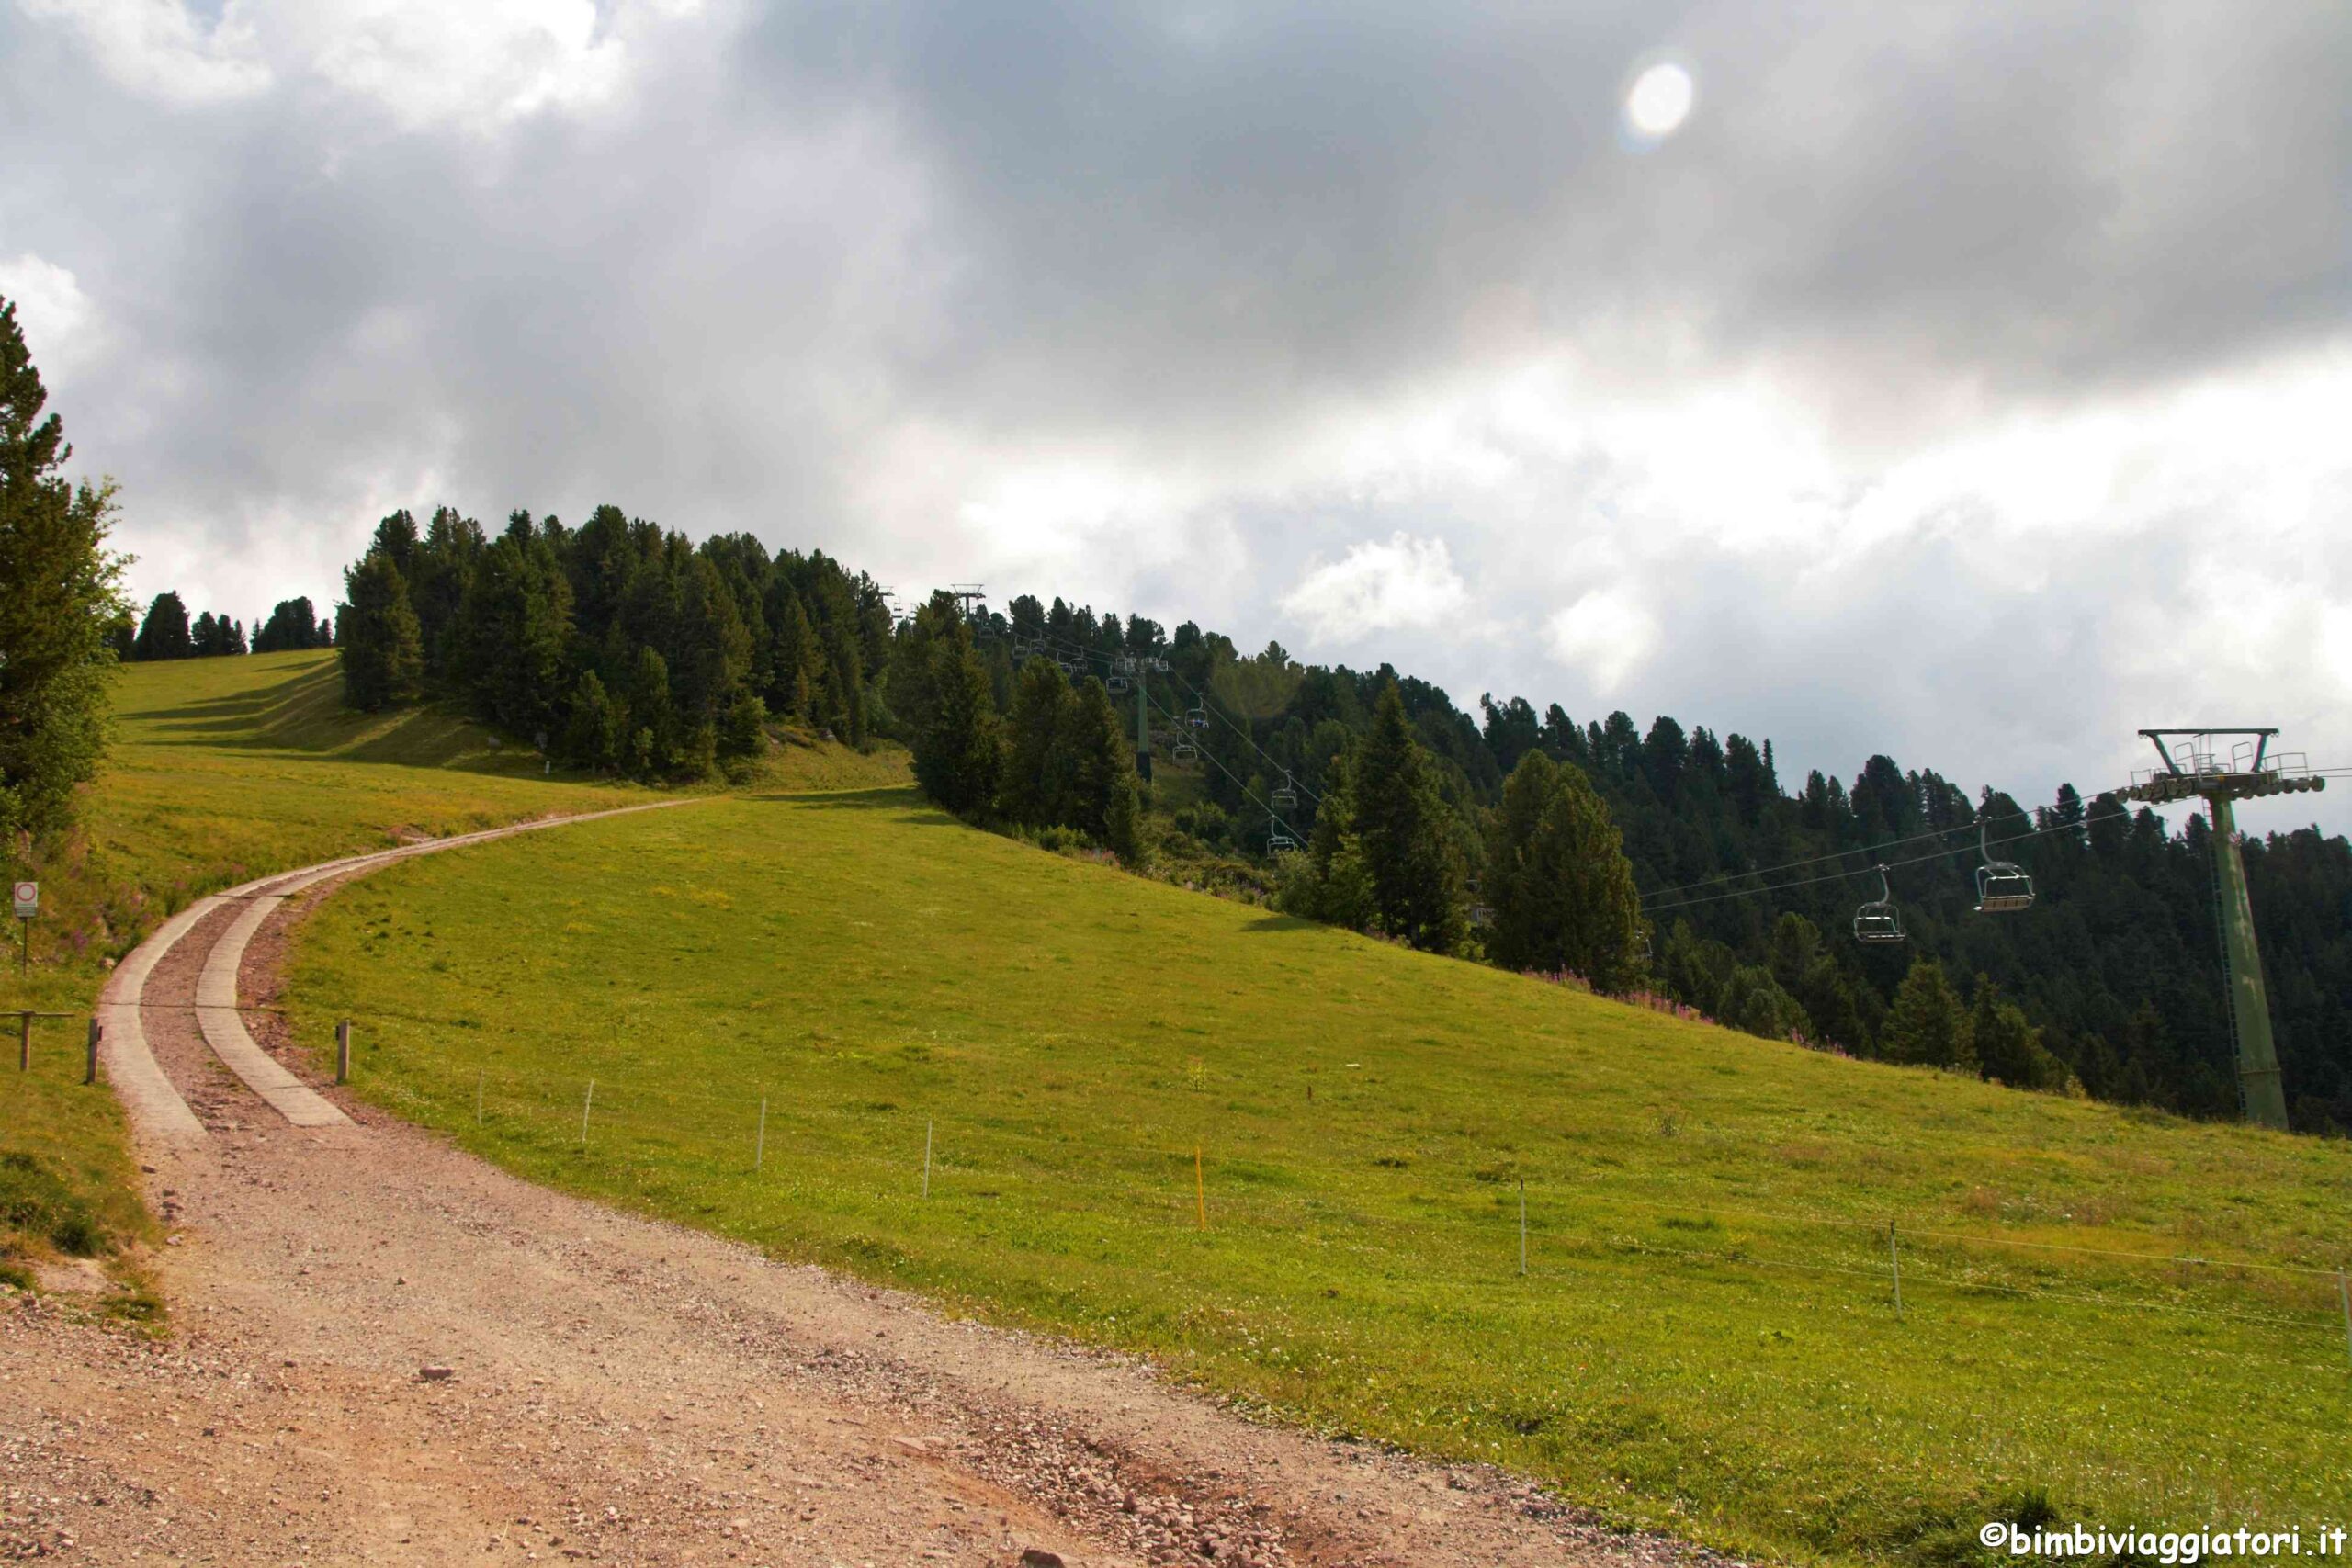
column 26, row 898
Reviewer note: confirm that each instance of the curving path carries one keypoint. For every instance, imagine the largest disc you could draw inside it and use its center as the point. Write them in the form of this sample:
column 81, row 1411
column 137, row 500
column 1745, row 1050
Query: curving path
column 383, row 1350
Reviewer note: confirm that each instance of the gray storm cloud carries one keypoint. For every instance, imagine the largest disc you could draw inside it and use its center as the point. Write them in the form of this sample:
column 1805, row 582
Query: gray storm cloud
column 1953, row 384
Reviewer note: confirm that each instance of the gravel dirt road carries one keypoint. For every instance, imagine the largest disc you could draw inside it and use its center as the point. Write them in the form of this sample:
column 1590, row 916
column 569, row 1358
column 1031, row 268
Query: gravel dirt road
column 384, row 1350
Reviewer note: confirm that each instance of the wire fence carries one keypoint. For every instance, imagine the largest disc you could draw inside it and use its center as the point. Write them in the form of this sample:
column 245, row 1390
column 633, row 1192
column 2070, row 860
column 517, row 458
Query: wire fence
column 1072, row 1183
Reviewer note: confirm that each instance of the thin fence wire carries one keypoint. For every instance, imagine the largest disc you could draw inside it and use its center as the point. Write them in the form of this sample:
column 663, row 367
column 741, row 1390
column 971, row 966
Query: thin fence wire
column 998, row 1155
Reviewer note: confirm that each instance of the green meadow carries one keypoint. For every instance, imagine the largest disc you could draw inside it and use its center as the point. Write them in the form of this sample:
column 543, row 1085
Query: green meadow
column 783, row 1001
column 223, row 770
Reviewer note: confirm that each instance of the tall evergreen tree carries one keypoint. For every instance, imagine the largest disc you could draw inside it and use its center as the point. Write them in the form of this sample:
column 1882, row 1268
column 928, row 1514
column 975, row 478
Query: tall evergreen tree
column 1927, row 1023
column 165, row 634
column 380, row 650
column 653, row 742
column 1036, row 787
column 517, row 619
column 960, row 752
column 1103, row 763
column 596, row 728
column 795, row 661
column 1562, row 890
column 2009, row 1049
column 59, row 596
column 1416, row 876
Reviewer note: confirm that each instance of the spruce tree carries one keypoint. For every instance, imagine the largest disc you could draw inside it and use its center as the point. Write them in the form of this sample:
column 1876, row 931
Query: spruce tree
column 59, row 598
column 517, row 619
column 958, row 755
column 165, row 634
column 1416, row 874
column 1927, row 1023
column 382, row 653
column 1036, row 789
column 1562, row 890
column 2009, row 1048
column 1102, row 760
column 596, row 726
column 1328, row 880
column 795, row 660
column 1517, row 934
column 655, row 741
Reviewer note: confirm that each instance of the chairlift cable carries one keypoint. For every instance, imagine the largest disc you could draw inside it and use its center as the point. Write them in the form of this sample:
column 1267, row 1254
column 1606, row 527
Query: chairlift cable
column 1887, row 866
column 1272, row 815
column 1203, row 704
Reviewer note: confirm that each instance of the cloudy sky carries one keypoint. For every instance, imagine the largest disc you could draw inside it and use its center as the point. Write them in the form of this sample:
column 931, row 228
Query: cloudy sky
column 1971, row 382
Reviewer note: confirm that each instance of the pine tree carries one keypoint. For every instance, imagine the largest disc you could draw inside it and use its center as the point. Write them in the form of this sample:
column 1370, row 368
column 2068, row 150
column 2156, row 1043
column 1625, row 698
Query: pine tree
column 517, row 620
column 1036, row 789
column 382, row 653
column 595, row 726
column 1927, row 1023
column 1102, row 760
column 1329, row 880
column 2009, row 1049
column 1518, row 935
column 165, row 633
column 958, row 755
column 1416, row 880
column 1562, row 890
column 795, row 661
column 654, row 742
column 60, row 597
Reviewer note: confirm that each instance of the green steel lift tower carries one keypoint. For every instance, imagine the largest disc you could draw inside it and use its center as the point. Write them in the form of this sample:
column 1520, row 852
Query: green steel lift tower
column 2192, row 767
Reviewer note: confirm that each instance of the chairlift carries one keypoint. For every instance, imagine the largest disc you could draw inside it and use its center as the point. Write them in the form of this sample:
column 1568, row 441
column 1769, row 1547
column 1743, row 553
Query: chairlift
column 1197, row 716
column 1186, row 751
column 1276, row 839
column 1287, row 795
column 1876, row 920
column 1070, row 667
column 1116, row 684
column 2002, row 886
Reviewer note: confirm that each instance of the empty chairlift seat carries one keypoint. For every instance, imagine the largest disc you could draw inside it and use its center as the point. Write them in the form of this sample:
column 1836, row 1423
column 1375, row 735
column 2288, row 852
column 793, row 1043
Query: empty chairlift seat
column 1877, row 921
column 2002, row 886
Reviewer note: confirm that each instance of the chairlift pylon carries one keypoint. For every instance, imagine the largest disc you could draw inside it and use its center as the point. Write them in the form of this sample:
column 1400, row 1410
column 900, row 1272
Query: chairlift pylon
column 2002, row 886
column 1876, row 920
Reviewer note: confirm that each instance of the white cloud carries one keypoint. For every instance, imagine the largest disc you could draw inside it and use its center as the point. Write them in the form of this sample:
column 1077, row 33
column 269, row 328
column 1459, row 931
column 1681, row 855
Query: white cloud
column 1605, row 635
column 1406, row 583
column 475, row 63
column 61, row 326
column 155, row 48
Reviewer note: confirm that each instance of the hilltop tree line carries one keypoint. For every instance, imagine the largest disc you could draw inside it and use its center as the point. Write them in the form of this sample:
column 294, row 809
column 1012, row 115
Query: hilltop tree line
column 165, row 631
column 616, row 645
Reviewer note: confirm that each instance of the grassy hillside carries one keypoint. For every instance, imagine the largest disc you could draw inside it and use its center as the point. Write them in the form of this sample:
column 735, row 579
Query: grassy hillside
column 1705, row 1336
column 223, row 770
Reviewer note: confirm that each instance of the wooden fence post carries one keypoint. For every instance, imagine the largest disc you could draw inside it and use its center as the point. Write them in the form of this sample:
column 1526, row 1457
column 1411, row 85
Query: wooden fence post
column 342, row 1052
column 97, row 1033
